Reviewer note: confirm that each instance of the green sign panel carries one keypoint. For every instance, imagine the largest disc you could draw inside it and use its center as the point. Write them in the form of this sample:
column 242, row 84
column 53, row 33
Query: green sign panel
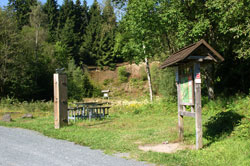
column 186, row 90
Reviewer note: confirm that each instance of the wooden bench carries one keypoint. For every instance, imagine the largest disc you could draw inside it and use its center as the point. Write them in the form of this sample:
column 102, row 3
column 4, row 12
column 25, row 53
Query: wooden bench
column 72, row 113
column 88, row 112
column 98, row 111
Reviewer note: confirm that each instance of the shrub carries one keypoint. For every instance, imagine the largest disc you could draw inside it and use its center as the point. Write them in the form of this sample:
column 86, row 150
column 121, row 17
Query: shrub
column 107, row 82
column 143, row 74
column 79, row 84
column 163, row 81
column 123, row 74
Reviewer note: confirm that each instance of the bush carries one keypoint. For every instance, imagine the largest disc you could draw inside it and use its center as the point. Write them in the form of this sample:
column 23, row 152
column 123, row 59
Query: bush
column 123, row 74
column 143, row 74
column 163, row 81
column 107, row 82
column 79, row 84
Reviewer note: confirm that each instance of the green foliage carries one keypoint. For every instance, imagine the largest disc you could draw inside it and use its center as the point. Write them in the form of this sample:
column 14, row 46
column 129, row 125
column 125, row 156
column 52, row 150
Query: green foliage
column 26, row 68
column 107, row 41
column 137, row 83
column 50, row 9
column 36, row 39
column 175, row 24
column 89, row 51
column 61, row 54
column 66, row 12
column 140, row 33
column 77, row 82
column 107, row 82
column 164, row 81
column 233, row 23
column 243, row 129
column 68, row 37
column 21, row 9
column 8, row 44
column 143, row 74
column 85, row 17
column 14, row 106
column 33, row 39
column 79, row 85
column 122, row 74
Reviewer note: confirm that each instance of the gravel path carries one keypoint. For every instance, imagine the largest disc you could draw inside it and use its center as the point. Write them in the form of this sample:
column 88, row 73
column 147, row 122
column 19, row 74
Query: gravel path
column 20, row 147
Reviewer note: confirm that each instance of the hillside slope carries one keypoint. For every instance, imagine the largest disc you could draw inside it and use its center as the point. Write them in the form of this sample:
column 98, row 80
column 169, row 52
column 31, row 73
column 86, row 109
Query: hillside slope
column 134, row 87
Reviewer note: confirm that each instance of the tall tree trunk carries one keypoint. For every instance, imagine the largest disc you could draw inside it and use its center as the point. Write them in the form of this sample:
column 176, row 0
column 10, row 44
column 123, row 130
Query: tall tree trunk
column 149, row 79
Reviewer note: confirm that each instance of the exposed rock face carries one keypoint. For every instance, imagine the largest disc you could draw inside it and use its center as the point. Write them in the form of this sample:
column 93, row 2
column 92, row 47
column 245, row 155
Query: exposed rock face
column 27, row 116
column 6, row 118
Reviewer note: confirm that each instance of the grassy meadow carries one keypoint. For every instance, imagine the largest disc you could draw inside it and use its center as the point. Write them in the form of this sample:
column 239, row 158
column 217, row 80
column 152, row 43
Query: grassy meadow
column 226, row 130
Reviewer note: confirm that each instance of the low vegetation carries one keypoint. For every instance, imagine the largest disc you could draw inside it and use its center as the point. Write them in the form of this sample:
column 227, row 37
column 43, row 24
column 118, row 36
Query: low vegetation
column 123, row 74
column 226, row 126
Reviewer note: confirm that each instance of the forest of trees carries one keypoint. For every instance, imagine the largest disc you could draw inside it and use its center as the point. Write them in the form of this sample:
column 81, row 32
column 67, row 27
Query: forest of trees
column 36, row 38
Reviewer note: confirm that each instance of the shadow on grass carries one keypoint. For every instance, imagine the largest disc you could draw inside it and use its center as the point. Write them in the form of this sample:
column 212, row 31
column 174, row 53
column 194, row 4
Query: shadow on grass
column 221, row 125
column 94, row 122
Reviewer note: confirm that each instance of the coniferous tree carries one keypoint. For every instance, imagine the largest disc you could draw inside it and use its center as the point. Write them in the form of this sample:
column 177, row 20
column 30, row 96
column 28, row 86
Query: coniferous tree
column 67, row 31
column 90, row 51
column 66, row 11
column 81, row 17
column 85, row 17
column 68, row 37
column 107, row 35
column 50, row 8
column 21, row 9
column 78, row 16
column 78, row 20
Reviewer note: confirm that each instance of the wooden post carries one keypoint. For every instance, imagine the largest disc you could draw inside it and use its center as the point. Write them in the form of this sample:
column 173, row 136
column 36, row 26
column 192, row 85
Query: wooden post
column 198, row 119
column 180, row 107
column 60, row 100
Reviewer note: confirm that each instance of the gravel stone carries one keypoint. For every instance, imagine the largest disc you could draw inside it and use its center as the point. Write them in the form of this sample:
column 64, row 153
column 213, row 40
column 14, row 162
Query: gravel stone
column 20, row 147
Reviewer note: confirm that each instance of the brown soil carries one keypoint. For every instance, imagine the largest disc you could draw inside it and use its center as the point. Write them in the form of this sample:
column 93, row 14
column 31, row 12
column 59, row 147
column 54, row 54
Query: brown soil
column 128, row 89
column 101, row 75
column 166, row 148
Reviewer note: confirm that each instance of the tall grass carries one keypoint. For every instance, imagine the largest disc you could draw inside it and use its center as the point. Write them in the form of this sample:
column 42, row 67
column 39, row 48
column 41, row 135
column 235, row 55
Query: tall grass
column 13, row 105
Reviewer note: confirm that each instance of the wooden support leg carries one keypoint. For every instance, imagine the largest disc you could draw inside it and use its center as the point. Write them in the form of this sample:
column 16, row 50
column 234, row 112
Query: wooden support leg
column 103, row 112
column 77, row 114
column 181, row 128
column 180, row 108
column 83, row 112
column 90, row 113
column 198, row 119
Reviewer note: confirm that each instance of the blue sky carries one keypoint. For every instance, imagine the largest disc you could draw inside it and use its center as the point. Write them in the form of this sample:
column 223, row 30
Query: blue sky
column 5, row 2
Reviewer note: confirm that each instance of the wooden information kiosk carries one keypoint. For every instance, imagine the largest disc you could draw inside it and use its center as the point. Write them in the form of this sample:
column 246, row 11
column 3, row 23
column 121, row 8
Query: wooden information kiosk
column 188, row 80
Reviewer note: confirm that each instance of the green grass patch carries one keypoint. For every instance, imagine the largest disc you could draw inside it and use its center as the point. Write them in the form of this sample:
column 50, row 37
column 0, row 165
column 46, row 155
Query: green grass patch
column 226, row 130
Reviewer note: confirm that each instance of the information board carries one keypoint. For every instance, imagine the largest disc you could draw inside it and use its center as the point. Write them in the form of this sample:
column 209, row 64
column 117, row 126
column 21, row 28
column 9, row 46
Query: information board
column 186, row 90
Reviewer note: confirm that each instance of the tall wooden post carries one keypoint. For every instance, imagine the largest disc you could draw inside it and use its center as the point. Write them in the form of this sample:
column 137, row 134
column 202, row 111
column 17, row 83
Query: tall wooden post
column 198, row 119
column 180, row 107
column 60, row 100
